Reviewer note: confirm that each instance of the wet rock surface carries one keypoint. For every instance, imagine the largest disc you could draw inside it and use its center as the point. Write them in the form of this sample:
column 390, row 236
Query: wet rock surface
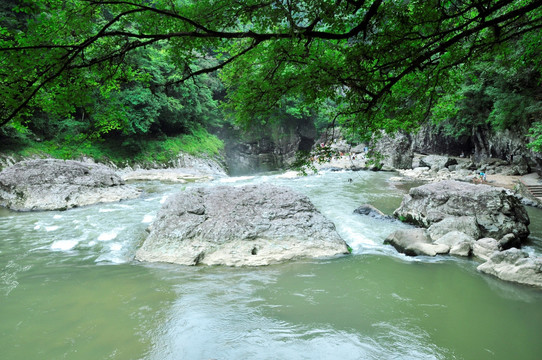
column 371, row 211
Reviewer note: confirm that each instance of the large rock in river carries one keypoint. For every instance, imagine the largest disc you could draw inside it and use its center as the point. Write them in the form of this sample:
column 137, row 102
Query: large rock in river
column 514, row 265
column 51, row 184
column 496, row 211
column 237, row 226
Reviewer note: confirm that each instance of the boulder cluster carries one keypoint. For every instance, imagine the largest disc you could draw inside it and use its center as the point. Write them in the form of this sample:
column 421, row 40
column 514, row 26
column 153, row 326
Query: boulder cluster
column 466, row 219
column 439, row 167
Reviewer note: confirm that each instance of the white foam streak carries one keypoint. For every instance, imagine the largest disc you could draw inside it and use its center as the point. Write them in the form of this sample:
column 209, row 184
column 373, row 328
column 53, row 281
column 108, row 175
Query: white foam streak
column 147, row 219
column 64, row 245
column 107, row 236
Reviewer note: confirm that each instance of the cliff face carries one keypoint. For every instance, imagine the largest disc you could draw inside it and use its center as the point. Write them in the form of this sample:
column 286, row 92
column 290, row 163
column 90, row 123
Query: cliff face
column 429, row 140
column 484, row 143
column 267, row 149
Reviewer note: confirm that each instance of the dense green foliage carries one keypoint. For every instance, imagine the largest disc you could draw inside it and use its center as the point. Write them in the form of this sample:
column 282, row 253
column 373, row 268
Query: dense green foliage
column 498, row 91
column 139, row 69
column 152, row 151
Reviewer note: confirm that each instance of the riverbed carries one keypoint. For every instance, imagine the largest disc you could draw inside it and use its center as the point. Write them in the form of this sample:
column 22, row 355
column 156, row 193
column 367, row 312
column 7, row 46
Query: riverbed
column 70, row 289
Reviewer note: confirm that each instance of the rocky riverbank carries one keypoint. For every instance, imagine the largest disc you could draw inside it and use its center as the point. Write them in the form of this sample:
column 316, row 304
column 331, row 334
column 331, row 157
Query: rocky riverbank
column 53, row 184
column 413, row 167
column 186, row 168
column 463, row 219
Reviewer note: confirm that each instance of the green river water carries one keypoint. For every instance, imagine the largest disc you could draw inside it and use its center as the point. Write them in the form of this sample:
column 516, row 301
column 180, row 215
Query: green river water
column 70, row 289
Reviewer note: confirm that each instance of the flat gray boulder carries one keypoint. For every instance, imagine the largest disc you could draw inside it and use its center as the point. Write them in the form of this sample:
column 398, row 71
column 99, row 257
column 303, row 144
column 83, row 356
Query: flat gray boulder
column 514, row 265
column 497, row 212
column 239, row 226
column 485, row 248
column 51, row 184
column 415, row 242
column 465, row 224
column 453, row 238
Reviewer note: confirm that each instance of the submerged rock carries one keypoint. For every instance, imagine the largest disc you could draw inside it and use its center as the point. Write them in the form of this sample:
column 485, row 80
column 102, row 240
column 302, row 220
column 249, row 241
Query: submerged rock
column 51, row 184
column 497, row 211
column 237, row 226
column 371, row 211
column 514, row 265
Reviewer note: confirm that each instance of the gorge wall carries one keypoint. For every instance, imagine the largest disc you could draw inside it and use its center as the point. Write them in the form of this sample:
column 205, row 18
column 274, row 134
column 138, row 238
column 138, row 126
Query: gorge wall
column 267, row 148
column 483, row 143
column 270, row 148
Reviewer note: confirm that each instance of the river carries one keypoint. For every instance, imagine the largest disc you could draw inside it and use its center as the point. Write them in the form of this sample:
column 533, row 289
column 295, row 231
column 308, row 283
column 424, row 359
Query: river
column 70, row 289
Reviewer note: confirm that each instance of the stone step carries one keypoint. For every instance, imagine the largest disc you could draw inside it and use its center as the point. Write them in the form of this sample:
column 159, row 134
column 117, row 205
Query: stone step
column 535, row 190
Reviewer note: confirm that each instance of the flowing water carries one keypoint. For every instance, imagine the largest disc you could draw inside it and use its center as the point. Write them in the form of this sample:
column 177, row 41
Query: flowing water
column 70, row 289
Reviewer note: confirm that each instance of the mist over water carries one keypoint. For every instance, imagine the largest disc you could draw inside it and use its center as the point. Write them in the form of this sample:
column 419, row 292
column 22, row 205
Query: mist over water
column 70, row 289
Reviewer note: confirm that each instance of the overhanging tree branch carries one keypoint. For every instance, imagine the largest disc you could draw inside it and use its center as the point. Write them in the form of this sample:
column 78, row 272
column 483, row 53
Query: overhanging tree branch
column 371, row 31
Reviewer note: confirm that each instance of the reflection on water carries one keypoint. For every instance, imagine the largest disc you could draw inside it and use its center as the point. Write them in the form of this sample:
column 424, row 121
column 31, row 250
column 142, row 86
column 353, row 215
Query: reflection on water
column 69, row 288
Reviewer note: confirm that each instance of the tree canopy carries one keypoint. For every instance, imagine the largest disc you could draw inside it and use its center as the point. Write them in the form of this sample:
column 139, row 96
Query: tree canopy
column 383, row 64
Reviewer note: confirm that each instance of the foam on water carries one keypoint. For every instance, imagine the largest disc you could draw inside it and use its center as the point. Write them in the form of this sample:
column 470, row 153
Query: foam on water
column 109, row 235
column 106, row 210
column 111, row 258
column 51, row 228
column 147, row 219
column 64, row 245
column 115, row 247
column 236, row 179
column 288, row 175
